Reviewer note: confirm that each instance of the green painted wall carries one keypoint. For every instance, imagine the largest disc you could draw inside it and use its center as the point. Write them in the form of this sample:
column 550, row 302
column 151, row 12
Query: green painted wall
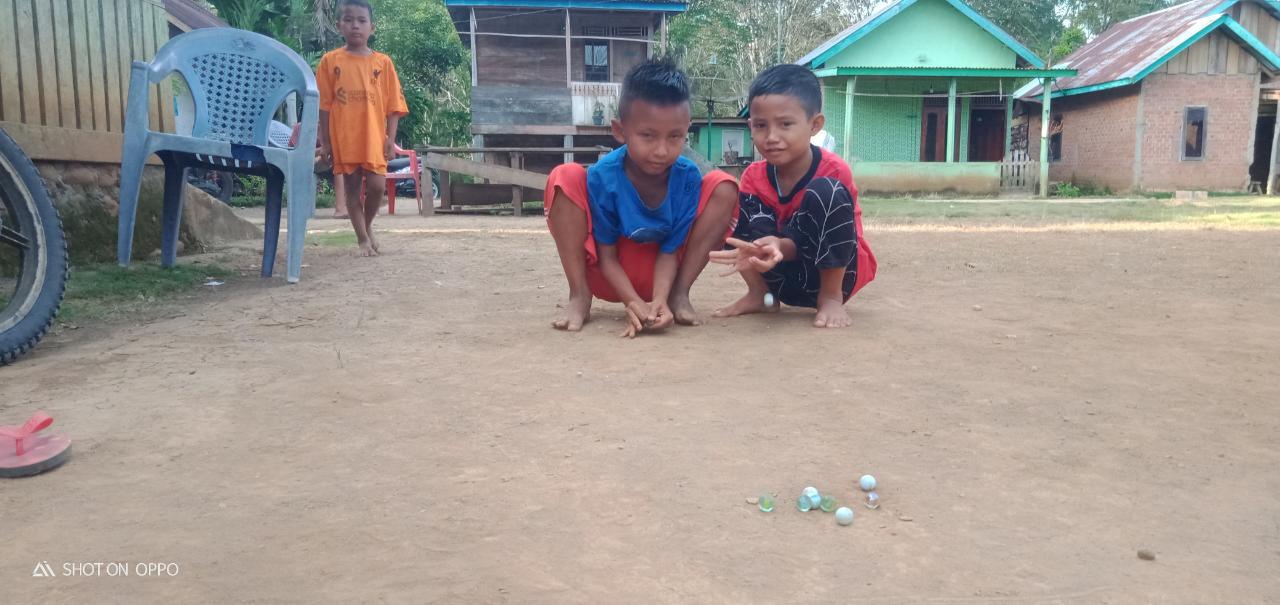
column 887, row 128
column 934, row 177
column 929, row 33
column 833, row 108
column 698, row 140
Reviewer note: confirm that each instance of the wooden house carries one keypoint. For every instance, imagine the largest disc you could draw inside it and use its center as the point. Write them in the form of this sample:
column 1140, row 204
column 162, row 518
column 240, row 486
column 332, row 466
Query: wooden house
column 548, row 73
column 64, row 74
column 1183, row 98
column 919, row 96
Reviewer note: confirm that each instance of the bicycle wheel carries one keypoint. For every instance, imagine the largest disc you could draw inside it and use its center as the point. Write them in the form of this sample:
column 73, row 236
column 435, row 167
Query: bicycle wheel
column 33, row 254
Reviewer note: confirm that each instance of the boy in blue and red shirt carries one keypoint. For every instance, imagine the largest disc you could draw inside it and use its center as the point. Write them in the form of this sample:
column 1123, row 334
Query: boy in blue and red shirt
column 638, row 226
column 799, row 234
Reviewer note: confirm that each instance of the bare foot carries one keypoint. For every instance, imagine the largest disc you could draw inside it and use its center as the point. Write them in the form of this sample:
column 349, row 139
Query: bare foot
column 373, row 241
column 752, row 302
column 367, row 249
column 831, row 314
column 576, row 313
column 683, row 310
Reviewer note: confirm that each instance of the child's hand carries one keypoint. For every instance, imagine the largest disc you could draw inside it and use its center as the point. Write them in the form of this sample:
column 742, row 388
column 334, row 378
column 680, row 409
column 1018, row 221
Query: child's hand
column 637, row 316
column 664, row 317
column 389, row 149
column 326, row 151
column 759, row 256
column 647, row 317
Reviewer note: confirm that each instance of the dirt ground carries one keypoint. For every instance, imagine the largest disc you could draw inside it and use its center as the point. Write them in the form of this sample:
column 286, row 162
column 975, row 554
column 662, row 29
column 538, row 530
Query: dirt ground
column 1038, row 405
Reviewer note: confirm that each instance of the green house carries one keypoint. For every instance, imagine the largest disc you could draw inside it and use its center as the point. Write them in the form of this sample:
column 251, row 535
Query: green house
column 721, row 140
column 919, row 97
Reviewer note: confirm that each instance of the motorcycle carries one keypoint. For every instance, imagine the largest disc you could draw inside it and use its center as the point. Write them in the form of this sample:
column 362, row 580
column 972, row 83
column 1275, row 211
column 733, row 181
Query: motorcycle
column 33, row 254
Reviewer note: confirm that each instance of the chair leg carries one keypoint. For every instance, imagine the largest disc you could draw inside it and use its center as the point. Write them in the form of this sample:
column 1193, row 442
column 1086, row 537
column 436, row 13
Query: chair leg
column 417, row 191
column 271, row 231
column 391, row 196
column 175, row 180
column 302, row 202
column 130, row 183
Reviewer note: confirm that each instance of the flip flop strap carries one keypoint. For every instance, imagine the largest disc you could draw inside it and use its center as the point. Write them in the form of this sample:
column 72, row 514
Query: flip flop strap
column 39, row 421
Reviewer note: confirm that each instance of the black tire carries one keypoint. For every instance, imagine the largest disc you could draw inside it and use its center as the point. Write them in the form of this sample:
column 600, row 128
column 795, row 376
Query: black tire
column 42, row 269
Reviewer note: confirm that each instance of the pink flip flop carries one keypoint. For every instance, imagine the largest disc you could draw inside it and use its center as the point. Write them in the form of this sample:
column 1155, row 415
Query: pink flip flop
column 31, row 454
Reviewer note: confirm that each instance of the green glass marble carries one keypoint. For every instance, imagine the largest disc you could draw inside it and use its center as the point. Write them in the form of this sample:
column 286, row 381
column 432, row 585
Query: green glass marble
column 766, row 503
column 827, row 504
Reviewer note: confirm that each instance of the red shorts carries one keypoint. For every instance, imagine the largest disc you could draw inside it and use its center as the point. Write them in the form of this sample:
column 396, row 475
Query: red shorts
column 637, row 259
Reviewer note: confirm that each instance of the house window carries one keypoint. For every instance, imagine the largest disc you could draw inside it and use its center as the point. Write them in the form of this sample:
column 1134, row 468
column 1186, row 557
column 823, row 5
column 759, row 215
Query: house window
column 631, row 32
column 1055, row 139
column 596, row 61
column 1193, row 124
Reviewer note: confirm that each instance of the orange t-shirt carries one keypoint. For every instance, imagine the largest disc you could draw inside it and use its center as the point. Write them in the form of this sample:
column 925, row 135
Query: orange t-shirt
column 360, row 93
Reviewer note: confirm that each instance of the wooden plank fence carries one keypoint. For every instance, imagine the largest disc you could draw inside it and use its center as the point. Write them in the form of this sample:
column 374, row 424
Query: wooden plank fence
column 64, row 74
column 1019, row 172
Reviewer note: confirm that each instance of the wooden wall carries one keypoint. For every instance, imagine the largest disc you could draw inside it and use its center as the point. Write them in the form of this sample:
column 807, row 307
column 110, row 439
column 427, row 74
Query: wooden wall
column 622, row 55
column 1259, row 22
column 507, row 60
column 540, row 61
column 64, row 73
column 1213, row 54
column 527, row 105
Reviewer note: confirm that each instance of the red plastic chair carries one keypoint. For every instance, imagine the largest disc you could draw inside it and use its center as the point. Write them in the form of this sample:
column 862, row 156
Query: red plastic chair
column 412, row 174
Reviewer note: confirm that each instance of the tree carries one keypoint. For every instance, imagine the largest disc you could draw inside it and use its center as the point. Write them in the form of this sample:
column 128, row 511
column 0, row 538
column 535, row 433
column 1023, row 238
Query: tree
column 306, row 26
column 418, row 35
column 1072, row 38
column 433, row 68
column 1095, row 16
column 1034, row 23
column 723, row 44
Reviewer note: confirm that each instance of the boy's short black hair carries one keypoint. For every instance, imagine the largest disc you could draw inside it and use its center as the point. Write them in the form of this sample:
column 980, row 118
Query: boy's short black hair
column 360, row 3
column 658, row 81
column 791, row 80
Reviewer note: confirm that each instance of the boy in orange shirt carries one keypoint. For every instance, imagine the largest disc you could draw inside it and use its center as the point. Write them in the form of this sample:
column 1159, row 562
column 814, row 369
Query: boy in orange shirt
column 360, row 108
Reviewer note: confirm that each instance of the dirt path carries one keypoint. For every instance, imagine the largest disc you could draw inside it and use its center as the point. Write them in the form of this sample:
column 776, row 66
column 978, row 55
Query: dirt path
column 408, row 429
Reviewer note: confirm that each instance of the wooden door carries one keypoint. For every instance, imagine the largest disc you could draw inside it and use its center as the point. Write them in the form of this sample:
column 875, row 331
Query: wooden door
column 986, row 135
column 933, row 137
column 933, row 132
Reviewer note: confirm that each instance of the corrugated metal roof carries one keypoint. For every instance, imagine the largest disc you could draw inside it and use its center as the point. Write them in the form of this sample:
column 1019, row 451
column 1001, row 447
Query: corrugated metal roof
column 1132, row 47
column 192, row 14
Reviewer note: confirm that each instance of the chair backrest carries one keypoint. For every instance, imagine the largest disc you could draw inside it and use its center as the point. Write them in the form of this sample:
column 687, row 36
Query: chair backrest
column 280, row 134
column 237, row 80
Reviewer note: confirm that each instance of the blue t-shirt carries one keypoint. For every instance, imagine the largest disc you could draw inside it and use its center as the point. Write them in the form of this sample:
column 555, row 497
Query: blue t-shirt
column 617, row 211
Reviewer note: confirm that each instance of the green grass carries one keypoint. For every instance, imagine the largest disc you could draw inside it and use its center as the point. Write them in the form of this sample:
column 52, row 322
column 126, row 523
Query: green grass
column 323, row 200
column 1235, row 211
column 343, row 239
column 103, row 291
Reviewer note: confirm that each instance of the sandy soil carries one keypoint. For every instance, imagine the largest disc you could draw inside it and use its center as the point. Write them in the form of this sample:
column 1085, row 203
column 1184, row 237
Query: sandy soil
column 408, row 429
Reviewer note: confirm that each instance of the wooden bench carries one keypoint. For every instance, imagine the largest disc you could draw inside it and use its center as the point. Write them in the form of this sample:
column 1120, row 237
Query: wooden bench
column 514, row 177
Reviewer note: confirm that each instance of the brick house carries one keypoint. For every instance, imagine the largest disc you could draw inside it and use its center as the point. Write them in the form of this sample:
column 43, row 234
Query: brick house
column 1182, row 98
